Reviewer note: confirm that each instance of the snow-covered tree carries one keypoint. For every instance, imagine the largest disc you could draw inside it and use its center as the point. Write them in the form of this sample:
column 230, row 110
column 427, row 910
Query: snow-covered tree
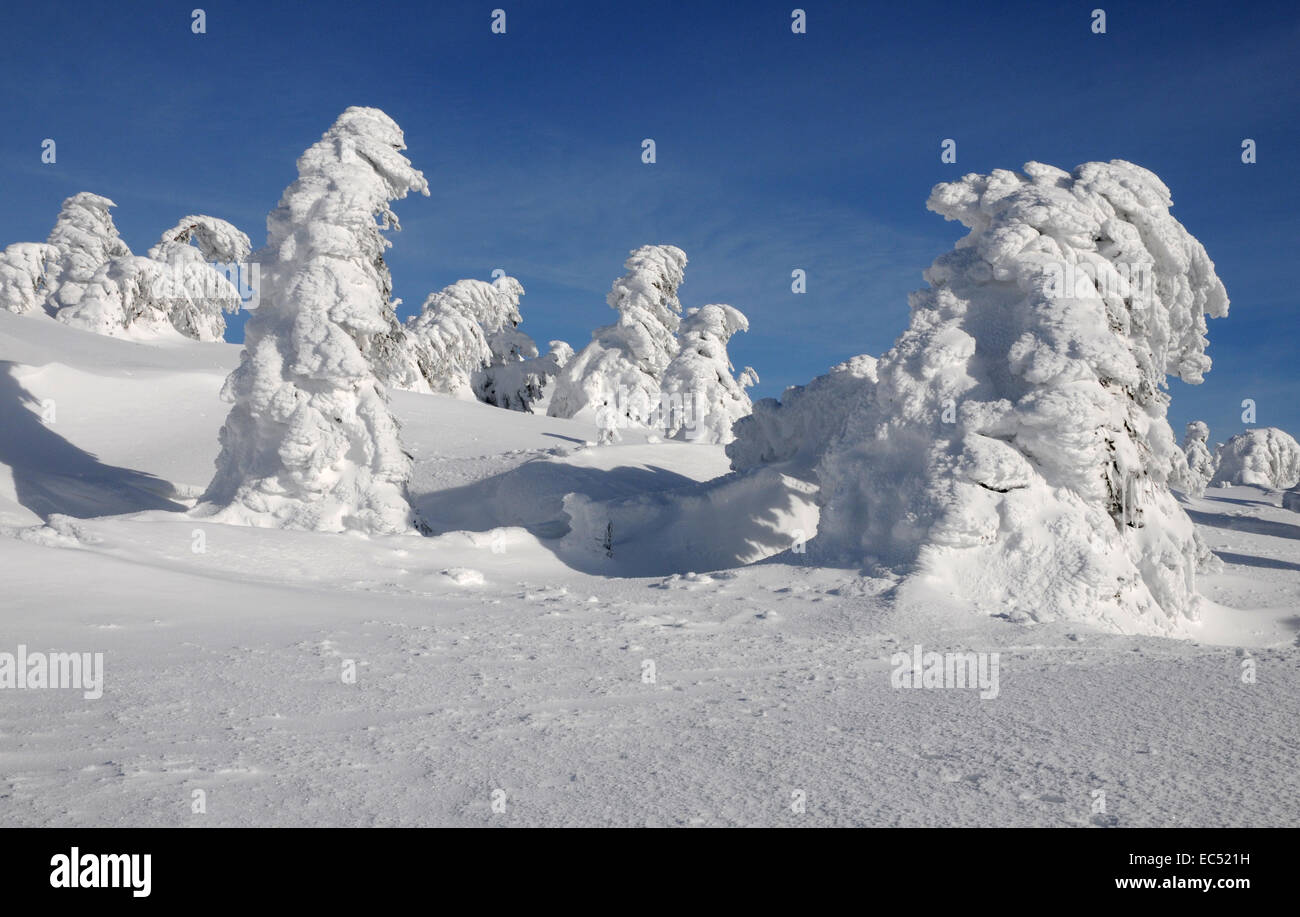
column 519, row 379
column 616, row 379
column 23, row 268
column 1015, row 444
column 1264, row 457
column 452, row 338
column 700, row 398
column 86, row 239
column 194, row 294
column 87, row 277
column 1201, row 464
column 798, row 428
column 310, row 441
column 120, row 299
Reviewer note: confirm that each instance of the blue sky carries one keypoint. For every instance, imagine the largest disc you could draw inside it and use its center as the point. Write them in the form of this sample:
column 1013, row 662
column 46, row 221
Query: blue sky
column 775, row 151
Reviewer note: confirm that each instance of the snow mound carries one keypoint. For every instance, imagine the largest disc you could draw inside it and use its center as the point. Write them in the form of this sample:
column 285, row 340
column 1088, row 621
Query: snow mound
column 1264, row 457
column 709, row 526
column 464, row 576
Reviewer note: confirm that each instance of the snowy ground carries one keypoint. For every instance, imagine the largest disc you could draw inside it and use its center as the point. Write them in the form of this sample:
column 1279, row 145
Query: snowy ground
column 493, row 657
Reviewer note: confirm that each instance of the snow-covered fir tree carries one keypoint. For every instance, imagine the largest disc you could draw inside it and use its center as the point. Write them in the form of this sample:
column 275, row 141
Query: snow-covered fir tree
column 700, row 396
column 195, row 295
column 1263, row 457
column 1015, row 443
column 451, row 339
column 616, row 379
column 86, row 239
column 24, row 286
column 310, row 441
column 87, row 277
column 797, row 428
column 1201, row 463
column 519, row 379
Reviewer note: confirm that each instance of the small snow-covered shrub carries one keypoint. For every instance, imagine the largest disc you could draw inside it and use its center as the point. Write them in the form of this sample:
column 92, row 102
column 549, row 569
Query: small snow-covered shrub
column 799, row 426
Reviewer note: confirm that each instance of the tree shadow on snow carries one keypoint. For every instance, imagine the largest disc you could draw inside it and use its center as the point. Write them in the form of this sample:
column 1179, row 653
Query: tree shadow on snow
column 1250, row 560
column 1245, row 524
column 51, row 475
column 531, row 496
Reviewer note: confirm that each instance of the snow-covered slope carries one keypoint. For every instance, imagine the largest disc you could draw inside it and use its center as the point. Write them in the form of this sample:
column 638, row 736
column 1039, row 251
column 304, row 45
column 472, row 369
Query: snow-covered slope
column 503, row 654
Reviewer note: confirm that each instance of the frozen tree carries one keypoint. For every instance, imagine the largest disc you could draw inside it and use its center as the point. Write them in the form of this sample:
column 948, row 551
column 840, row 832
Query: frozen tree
column 615, row 380
column 700, row 398
column 88, row 278
column 194, row 294
column 86, row 240
column 1264, row 457
column 174, row 288
column 518, row 378
column 797, row 428
column 1015, row 444
column 1201, row 463
column 310, row 441
column 120, row 299
column 461, row 330
column 23, row 268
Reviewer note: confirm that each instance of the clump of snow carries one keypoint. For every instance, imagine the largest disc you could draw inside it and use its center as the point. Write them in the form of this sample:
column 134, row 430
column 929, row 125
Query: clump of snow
column 1264, row 457
column 310, row 441
column 1015, row 443
column 708, row 526
column 1201, row 463
column 464, row 576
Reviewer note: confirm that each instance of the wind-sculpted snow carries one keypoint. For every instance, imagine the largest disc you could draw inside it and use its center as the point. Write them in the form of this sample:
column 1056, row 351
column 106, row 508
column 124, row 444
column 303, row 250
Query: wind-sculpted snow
column 1264, row 457
column 310, row 441
column 1015, row 443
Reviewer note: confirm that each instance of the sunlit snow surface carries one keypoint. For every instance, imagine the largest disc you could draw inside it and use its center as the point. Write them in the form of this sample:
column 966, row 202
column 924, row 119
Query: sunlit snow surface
column 500, row 655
